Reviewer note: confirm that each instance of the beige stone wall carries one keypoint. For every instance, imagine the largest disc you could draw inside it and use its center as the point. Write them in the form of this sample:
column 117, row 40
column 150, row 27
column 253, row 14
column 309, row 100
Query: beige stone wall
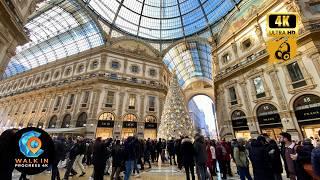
column 30, row 97
column 247, row 63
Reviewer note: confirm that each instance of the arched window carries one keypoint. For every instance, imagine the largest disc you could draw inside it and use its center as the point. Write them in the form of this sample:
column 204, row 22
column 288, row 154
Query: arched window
column 66, row 121
column 130, row 117
column 237, row 114
column 82, row 120
column 151, row 119
column 40, row 124
column 108, row 116
column 239, row 120
column 52, row 122
column 268, row 116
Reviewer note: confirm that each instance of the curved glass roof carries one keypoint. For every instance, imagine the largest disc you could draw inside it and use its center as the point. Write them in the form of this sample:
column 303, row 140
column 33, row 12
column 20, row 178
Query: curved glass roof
column 191, row 59
column 161, row 19
column 58, row 31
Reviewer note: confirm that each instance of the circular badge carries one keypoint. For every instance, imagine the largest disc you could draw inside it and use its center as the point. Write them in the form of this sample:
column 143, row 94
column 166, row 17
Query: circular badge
column 35, row 150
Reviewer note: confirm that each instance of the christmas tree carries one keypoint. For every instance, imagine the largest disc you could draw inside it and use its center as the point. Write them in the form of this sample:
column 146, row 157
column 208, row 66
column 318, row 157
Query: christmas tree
column 175, row 120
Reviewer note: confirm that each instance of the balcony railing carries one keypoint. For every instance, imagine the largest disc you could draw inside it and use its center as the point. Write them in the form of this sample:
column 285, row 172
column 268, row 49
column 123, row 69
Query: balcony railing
column 249, row 60
column 106, row 76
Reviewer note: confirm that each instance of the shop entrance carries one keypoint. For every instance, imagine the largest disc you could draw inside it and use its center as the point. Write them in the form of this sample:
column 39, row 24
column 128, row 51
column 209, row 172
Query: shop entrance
column 307, row 111
column 273, row 133
column 240, row 124
column 311, row 131
column 269, row 120
column 126, row 132
column 105, row 125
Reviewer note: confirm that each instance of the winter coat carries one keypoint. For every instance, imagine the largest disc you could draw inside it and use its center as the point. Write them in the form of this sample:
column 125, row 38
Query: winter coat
column 99, row 154
column 117, row 155
column 8, row 149
column 221, row 153
column 171, row 148
column 259, row 160
column 209, row 162
column 304, row 157
column 82, row 147
column 187, row 151
column 240, row 156
column 74, row 151
column 274, row 159
column 129, row 149
column 200, row 151
column 59, row 150
column 315, row 160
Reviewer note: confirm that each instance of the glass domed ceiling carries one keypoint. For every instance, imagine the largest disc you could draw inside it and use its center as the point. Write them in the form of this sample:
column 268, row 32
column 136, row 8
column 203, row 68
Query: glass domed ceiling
column 161, row 19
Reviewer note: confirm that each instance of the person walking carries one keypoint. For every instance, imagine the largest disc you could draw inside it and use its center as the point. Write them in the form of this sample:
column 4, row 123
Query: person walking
column 80, row 154
column 274, row 159
column 159, row 149
column 201, row 156
column 221, row 155
column 129, row 149
column 7, row 153
column 74, row 151
column 214, row 158
column 171, row 151
column 259, row 159
column 117, row 160
column 287, row 150
column 147, row 152
column 187, row 157
column 99, row 159
column 59, row 154
column 241, row 160
column 315, row 161
column 177, row 146
column 302, row 158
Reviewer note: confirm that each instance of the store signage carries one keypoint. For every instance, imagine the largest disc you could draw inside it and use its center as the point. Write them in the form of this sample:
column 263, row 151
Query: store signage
column 129, row 124
column 150, row 125
column 240, row 124
column 283, row 29
column 105, row 123
column 269, row 119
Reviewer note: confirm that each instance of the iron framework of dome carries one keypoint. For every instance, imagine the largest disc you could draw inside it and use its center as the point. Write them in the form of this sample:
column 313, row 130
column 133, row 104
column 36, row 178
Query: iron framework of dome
column 59, row 30
column 161, row 20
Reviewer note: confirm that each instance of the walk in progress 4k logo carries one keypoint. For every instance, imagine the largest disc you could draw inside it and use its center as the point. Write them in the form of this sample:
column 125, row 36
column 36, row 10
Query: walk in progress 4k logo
column 35, row 151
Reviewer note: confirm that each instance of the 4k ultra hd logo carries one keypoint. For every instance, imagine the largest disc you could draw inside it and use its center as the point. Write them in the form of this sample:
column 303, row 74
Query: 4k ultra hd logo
column 35, row 151
column 282, row 24
column 283, row 30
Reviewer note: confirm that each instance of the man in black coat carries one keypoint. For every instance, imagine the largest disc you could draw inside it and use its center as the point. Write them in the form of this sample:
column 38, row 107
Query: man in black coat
column 201, row 156
column 8, row 149
column 74, row 151
column 159, row 149
column 99, row 158
column 177, row 146
column 187, row 157
column 171, row 151
column 59, row 155
column 259, row 158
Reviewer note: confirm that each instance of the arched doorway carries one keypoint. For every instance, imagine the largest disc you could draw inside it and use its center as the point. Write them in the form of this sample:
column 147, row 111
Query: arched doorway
column 66, row 121
column 202, row 112
column 105, row 125
column 240, row 124
column 52, row 122
column 82, row 120
column 129, row 126
column 150, row 127
column 269, row 120
column 307, row 111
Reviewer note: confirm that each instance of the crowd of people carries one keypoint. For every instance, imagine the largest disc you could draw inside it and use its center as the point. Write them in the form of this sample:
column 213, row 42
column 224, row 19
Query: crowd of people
column 198, row 156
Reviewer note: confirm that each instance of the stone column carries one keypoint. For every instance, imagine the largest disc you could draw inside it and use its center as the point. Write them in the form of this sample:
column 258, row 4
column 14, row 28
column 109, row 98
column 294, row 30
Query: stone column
column 142, row 107
column 121, row 104
column 316, row 61
column 93, row 110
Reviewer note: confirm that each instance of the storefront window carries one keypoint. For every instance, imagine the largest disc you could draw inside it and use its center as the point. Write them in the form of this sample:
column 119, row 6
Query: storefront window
column 152, row 102
column 82, row 119
column 66, row 121
column 258, row 84
column 151, row 119
column 52, row 122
